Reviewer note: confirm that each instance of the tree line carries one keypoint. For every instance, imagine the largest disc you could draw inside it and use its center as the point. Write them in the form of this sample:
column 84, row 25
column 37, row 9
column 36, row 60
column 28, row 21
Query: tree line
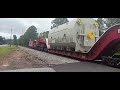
column 13, row 41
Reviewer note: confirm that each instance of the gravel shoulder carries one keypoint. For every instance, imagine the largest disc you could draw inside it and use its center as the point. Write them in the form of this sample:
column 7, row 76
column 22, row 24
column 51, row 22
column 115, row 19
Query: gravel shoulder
column 23, row 58
column 48, row 58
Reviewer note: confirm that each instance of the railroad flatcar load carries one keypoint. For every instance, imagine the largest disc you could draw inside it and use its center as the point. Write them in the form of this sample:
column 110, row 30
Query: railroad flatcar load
column 78, row 35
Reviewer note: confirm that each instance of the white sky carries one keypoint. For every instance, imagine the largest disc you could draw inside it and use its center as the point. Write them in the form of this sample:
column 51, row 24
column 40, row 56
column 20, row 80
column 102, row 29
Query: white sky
column 20, row 25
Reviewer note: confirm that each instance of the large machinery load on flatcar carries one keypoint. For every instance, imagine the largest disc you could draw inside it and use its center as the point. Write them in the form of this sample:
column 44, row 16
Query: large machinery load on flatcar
column 78, row 35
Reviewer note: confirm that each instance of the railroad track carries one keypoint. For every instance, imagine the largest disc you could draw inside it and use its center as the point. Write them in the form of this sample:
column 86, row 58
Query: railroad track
column 95, row 61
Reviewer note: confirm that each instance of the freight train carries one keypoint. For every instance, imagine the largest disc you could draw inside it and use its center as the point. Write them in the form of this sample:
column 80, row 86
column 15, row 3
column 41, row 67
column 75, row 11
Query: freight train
column 80, row 39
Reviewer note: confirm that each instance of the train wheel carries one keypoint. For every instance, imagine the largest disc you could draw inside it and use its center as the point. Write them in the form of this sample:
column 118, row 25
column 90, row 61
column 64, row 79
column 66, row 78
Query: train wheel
column 118, row 65
column 45, row 49
column 39, row 48
column 42, row 49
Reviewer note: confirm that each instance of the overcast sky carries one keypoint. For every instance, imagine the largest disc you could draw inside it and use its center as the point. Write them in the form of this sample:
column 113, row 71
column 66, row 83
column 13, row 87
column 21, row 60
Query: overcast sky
column 20, row 25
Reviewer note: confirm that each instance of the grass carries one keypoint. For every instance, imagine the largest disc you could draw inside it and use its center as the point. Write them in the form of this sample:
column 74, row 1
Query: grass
column 6, row 50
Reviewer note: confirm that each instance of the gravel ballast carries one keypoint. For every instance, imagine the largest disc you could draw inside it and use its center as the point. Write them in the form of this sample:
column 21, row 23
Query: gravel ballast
column 47, row 57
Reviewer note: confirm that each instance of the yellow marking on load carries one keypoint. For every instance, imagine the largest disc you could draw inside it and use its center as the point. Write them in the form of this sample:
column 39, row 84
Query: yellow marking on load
column 90, row 35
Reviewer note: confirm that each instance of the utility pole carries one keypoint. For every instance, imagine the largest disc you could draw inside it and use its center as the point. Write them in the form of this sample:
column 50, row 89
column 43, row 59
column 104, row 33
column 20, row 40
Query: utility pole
column 11, row 37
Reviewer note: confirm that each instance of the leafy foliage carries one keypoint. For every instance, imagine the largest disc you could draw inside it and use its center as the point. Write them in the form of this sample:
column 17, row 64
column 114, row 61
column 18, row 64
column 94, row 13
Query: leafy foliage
column 45, row 34
column 111, row 21
column 58, row 21
column 15, row 39
column 100, row 21
column 2, row 40
column 31, row 33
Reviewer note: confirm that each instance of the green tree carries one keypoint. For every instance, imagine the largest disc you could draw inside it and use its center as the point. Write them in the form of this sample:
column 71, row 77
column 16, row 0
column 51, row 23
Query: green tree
column 31, row 33
column 15, row 39
column 45, row 34
column 111, row 21
column 58, row 21
column 20, row 41
column 1, row 40
column 4, row 40
column 101, row 24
